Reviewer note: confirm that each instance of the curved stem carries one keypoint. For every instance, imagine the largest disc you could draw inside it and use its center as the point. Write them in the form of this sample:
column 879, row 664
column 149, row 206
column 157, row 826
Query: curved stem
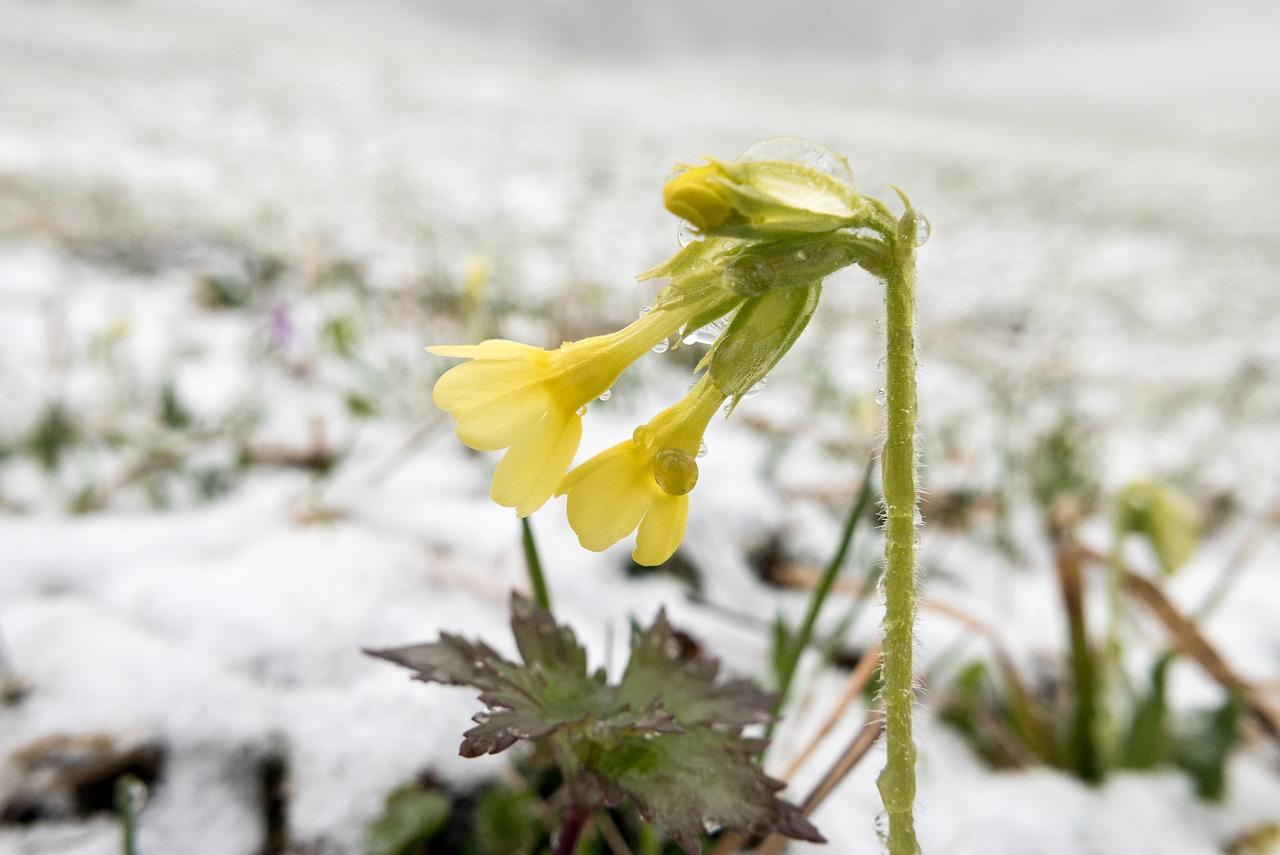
column 897, row 782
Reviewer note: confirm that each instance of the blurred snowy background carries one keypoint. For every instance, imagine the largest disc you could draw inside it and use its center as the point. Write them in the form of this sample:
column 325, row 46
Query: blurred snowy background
column 228, row 229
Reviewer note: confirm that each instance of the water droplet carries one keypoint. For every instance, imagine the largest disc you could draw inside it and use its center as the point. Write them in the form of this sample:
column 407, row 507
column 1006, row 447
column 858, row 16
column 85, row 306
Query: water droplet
column 882, row 827
column 805, row 152
column 881, row 397
column 749, row 275
column 757, row 388
column 644, row 310
column 606, row 394
column 662, row 346
column 686, row 233
column 675, row 471
column 702, row 450
column 643, row 436
column 922, row 228
column 582, row 411
column 707, row 334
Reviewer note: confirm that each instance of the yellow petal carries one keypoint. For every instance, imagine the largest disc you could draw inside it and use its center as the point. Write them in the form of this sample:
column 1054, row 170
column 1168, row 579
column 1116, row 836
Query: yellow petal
column 662, row 530
column 528, row 473
column 476, row 383
column 494, row 348
column 507, row 420
column 608, row 501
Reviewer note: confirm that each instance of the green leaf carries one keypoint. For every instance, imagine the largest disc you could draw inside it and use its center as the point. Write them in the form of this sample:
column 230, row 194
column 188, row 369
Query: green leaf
column 780, row 654
column 1203, row 751
column 687, row 689
column 506, row 823
column 550, row 690
column 681, row 782
column 1148, row 743
column 412, row 817
column 667, row 737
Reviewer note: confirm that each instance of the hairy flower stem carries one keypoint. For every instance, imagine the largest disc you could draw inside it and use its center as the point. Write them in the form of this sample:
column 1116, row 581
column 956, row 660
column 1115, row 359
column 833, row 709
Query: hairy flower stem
column 897, row 782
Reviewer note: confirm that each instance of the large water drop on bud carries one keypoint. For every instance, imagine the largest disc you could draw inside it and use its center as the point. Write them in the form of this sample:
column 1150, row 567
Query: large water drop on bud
column 804, row 152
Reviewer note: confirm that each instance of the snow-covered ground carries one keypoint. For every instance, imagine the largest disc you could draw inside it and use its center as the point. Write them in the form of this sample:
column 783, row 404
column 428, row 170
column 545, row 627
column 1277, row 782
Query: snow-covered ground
column 260, row 213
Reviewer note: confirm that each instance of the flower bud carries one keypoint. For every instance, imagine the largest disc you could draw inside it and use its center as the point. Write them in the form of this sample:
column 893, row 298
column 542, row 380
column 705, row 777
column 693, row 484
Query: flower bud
column 758, row 198
column 760, row 334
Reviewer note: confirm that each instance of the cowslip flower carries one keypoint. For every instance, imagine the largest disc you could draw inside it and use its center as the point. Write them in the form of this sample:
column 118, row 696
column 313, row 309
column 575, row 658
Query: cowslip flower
column 530, row 401
column 644, row 481
column 761, row 196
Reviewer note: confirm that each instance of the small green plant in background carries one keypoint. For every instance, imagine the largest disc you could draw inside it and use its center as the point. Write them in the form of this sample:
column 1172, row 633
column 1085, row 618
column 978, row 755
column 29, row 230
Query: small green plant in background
column 1101, row 720
column 770, row 226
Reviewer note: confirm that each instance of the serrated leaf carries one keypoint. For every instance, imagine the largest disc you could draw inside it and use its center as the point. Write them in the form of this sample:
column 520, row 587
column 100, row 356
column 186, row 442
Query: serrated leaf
column 667, row 737
column 682, row 782
column 526, row 701
column 688, row 689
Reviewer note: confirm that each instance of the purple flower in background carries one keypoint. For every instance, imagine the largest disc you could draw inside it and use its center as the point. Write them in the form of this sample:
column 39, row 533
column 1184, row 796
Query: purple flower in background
column 280, row 326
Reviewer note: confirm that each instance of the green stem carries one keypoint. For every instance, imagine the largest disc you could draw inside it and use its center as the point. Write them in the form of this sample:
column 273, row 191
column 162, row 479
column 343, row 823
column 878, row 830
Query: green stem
column 127, row 797
column 1112, row 675
column 819, row 596
column 897, row 782
column 537, row 581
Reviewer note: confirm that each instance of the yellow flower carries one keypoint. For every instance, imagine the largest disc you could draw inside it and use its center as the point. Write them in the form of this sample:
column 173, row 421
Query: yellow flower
column 530, row 401
column 644, row 481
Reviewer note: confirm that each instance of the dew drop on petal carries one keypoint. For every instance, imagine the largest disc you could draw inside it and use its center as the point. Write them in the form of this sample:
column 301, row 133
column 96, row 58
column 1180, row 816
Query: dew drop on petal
column 643, row 436
column 582, row 411
column 691, row 338
column 662, row 346
column 756, row 389
column 881, row 397
column 702, row 450
column 644, row 310
column 675, row 471
column 606, row 394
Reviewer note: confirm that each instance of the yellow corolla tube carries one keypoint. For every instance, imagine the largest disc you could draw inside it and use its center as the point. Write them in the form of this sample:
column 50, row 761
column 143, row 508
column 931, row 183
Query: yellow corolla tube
column 643, row 482
column 530, row 401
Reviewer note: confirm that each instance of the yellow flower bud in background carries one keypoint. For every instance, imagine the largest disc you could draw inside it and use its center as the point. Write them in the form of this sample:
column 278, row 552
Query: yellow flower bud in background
column 1165, row 517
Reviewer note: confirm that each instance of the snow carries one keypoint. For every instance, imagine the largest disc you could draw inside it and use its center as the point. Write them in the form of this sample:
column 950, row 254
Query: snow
column 1103, row 219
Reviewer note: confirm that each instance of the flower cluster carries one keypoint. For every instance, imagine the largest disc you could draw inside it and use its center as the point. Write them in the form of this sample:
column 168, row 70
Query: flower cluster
column 771, row 226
